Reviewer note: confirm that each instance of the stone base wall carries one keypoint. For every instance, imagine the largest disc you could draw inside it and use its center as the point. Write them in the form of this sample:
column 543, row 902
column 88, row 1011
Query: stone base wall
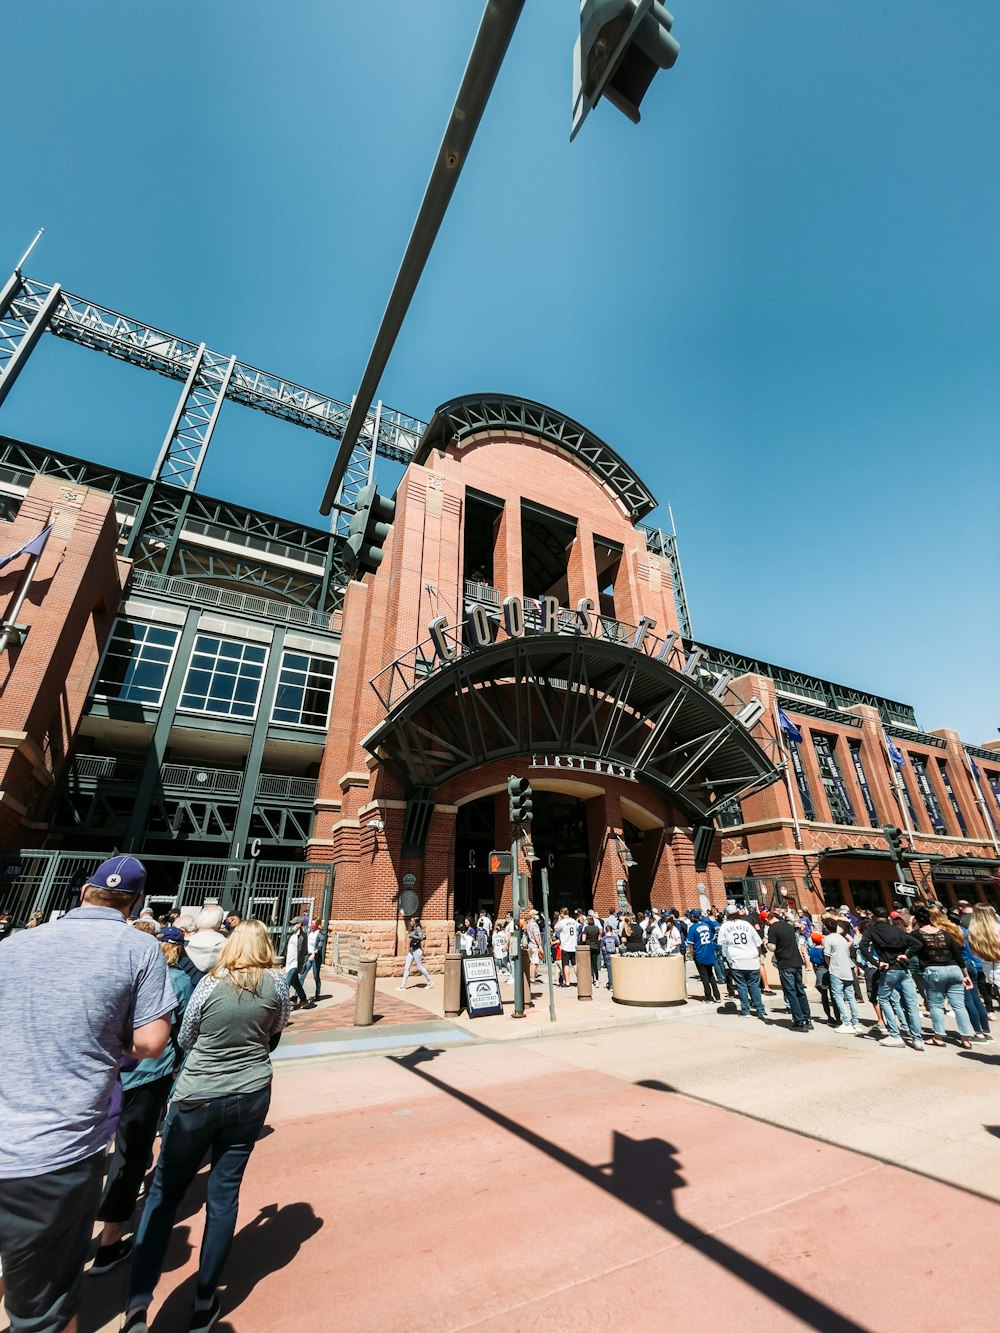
column 387, row 940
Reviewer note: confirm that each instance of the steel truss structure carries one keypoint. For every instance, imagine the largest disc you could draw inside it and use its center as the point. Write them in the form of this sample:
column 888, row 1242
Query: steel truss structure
column 462, row 417
column 28, row 308
column 573, row 695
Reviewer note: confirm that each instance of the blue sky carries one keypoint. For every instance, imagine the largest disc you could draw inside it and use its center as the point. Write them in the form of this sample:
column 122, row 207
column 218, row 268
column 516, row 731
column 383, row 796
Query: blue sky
column 778, row 296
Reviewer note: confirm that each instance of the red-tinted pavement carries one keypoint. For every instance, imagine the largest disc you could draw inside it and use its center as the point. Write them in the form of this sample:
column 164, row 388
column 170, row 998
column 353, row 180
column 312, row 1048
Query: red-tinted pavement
column 500, row 1189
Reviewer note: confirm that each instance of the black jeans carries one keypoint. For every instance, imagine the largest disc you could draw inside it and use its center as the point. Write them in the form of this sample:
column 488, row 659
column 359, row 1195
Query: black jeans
column 706, row 971
column 141, row 1111
column 45, row 1226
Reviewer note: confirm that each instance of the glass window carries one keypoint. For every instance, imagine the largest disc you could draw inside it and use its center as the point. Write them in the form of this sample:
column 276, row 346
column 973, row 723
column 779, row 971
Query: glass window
column 832, row 895
column 305, row 686
column 841, row 810
column 952, row 798
column 919, row 764
column 224, row 677
column 862, row 777
column 137, row 663
column 867, row 894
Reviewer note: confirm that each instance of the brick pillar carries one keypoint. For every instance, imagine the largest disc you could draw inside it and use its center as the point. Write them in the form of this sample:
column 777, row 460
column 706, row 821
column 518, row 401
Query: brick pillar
column 581, row 570
column 604, row 821
column 507, row 574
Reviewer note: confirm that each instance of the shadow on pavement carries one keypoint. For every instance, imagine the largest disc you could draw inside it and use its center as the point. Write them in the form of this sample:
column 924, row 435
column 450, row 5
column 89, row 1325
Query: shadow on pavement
column 265, row 1245
column 643, row 1174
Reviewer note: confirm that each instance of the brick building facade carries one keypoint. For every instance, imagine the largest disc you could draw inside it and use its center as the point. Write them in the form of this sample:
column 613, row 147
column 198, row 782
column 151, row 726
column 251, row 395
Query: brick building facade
column 169, row 691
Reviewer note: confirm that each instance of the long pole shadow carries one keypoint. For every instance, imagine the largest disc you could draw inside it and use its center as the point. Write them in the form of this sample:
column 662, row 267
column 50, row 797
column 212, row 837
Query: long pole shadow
column 644, row 1174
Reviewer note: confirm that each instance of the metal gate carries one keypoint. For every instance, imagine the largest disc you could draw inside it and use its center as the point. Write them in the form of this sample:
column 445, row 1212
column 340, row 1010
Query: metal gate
column 48, row 882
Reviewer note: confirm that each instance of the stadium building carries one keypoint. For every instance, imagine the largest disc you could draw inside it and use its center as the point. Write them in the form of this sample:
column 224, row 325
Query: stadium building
column 205, row 685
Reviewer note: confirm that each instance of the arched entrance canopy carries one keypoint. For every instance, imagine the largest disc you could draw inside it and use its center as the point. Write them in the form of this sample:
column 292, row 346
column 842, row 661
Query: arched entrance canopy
column 459, row 418
column 560, row 695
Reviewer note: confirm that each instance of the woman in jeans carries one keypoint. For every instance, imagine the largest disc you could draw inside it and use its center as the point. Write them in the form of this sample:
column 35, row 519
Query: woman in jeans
column 937, row 944
column 218, row 1106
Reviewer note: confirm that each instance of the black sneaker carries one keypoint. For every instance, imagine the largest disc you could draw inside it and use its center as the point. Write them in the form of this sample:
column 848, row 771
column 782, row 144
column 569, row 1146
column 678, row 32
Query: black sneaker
column 203, row 1320
column 136, row 1321
column 108, row 1256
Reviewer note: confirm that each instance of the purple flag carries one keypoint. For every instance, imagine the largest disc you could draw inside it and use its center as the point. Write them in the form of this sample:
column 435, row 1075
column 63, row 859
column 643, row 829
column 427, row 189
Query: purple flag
column 35, row 547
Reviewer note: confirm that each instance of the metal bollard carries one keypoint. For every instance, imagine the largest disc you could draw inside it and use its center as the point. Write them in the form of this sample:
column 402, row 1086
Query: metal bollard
column 452, row 985
column 364, row 1001
column 584, row 981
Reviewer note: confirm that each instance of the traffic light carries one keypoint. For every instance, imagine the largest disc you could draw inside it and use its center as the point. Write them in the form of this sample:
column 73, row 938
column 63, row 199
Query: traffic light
column 500, row 863
column 894, row 837
column 369, row 528
column 622, row 44
column 519, row 799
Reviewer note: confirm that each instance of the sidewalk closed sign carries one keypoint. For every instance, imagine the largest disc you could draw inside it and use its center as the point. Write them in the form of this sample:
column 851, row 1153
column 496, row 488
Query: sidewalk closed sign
column 482, row 986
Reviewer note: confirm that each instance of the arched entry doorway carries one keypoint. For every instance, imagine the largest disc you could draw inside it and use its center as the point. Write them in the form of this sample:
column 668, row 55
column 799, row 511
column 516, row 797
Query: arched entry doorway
column 559, row 836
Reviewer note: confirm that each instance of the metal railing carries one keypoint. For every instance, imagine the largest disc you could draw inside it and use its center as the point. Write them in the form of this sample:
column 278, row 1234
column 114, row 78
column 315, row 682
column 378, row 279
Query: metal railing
column 481, row 592
column 88, row 768
column 144, row 581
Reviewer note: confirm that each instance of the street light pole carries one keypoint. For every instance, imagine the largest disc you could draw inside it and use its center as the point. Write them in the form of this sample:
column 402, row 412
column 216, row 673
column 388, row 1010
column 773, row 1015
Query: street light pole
column 496, row 28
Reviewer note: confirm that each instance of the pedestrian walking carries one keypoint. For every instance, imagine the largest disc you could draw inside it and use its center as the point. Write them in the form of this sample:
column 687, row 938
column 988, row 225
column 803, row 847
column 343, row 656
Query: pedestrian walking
column 107, row 995
column 415, row 953
column 610, row 945
column 233, row 1022
column 315, row 953
column 783, row 939
column 296, row 948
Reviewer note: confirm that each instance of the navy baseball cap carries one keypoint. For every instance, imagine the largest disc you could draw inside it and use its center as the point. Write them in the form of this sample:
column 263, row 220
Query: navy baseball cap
column 122, row 874
column 694, row 914
column 171, row 935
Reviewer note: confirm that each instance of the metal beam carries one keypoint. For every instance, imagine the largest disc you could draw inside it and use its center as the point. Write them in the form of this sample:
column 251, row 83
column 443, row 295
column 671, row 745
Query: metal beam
column 186, row 442
column 91, row 325
column 24, row 317
column 496, row 28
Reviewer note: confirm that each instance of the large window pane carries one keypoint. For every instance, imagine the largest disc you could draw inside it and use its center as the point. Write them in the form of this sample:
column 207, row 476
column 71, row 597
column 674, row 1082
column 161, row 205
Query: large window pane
column 224, row 678
column 137, row 662
column 304, row 689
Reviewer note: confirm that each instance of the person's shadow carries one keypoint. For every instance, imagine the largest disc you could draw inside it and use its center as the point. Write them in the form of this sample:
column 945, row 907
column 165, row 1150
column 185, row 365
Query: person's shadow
column 265, row 1245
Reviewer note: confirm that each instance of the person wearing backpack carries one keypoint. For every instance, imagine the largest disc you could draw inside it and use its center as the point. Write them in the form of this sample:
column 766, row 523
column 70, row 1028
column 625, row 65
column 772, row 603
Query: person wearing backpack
column 609, row 947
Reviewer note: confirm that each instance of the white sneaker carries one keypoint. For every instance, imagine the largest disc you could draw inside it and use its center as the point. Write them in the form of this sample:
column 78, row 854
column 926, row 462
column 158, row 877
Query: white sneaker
column 892, row 1041
column 845, row 1027
column 401, row 988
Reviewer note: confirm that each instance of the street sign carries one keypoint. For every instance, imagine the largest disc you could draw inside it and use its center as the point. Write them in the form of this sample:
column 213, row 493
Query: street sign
column 500, row 863
column 904, row 890
column 482, row 986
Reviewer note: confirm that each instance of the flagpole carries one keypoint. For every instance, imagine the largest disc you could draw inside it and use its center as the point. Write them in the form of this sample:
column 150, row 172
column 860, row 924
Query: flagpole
column 779, row 737
column 896, row 779
column 981, row 801
column 10, row 621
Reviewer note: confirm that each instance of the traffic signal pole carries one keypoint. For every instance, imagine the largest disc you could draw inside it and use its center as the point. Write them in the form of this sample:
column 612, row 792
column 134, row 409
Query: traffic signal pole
column 496, row 28
column 518, row 933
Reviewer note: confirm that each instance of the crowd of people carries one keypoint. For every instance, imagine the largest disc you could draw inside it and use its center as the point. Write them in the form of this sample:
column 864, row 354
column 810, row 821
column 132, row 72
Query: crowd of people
column 167, row 1027
column 905, row 963
column 149, row 1026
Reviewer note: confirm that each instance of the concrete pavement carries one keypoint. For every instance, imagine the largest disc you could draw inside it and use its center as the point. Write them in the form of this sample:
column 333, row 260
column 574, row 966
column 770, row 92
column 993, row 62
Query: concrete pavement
column 560, row 1183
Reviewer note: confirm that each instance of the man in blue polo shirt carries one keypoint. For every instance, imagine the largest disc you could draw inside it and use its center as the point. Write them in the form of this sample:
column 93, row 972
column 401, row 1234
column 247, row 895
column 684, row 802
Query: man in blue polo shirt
column 107, row 996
